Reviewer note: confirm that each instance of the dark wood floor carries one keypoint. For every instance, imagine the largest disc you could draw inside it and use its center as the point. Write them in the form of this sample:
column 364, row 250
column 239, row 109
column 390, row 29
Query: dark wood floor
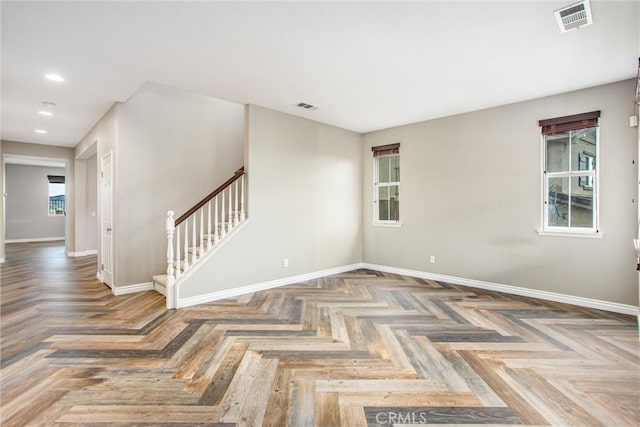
column 355, row 349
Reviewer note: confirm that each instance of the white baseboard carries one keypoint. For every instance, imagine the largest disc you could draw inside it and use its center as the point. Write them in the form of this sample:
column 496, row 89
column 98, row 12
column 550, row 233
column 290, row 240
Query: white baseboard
column 34, row 239
column 508, row 289
column 82, row 253
column 99, row 277
column 130, row 289
column 2, row 260
column 229, row 293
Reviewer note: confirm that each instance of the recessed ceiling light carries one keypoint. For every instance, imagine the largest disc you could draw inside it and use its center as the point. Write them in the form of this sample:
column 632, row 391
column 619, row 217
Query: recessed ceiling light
column 55, row 77
column 41, row 131
column 46, row 108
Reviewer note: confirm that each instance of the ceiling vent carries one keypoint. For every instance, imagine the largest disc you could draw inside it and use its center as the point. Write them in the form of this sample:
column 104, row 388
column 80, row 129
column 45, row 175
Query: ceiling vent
column 575, row 16
column 307, row 106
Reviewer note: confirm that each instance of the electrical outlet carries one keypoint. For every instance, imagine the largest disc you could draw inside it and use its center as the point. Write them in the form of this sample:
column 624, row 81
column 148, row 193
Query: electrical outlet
column 285, row 262
column 432, row 259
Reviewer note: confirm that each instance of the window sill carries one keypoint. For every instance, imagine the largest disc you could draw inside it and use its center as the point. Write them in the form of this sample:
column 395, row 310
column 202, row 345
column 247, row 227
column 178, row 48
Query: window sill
column 387, row 224
column 582, row 234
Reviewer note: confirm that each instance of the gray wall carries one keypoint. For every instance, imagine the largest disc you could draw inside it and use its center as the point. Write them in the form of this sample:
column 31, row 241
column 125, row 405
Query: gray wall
column 471, row 196
column 27, row 215
column 304, row 185
column 173, row 148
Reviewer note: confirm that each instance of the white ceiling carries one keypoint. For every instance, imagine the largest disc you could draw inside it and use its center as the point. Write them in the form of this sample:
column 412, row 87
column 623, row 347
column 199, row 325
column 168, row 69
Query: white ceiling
column 367, row 66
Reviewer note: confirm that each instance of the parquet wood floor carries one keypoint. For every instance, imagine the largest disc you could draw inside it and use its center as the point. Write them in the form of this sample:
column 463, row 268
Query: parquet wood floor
column 355, row 349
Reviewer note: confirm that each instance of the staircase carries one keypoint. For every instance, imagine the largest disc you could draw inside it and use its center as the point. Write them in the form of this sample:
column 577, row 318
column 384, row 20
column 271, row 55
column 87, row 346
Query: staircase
column 198, row 232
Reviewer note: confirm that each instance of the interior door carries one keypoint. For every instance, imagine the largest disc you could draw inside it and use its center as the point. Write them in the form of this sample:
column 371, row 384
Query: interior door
column 106, row 198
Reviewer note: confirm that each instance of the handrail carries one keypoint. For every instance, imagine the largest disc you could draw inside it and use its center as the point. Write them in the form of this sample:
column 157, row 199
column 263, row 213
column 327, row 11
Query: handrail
column 213, row 194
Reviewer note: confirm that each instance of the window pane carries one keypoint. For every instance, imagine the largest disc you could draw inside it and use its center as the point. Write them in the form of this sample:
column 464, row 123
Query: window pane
column 383, row 203
column 394, row 203
column 56, row 199
column 558, row 152
column 383, row 169
column 583, row 145
column 394, row 168
column 558, row 208
column 581, row 204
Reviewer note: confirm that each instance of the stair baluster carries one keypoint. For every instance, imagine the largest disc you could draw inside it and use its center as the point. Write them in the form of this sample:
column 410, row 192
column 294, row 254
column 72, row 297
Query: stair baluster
column 236, row 219
column 194, row 252
column 216, row 235
column 209, row 225
column 223, row 231
column 230, row 215
column 242, row 214
column 186, row 245
column 201, row 232
column 178, row 261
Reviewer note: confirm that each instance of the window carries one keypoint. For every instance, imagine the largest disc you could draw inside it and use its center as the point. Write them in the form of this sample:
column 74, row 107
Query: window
column 386, row 184
column 57, row 204
column 570, row 174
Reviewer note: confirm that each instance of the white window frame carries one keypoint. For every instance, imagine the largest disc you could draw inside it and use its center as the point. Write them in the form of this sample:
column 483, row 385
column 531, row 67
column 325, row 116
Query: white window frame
column 376, row 211
column 546, row 229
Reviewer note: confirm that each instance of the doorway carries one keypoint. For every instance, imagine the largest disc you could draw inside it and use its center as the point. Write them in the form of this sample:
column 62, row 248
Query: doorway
column 35, row 199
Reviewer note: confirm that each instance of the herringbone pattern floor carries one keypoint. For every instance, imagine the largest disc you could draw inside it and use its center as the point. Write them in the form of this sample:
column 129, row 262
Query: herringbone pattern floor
column 355, row 349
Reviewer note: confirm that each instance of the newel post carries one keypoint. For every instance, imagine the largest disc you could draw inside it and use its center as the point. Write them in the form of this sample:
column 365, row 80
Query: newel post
column 170, row 226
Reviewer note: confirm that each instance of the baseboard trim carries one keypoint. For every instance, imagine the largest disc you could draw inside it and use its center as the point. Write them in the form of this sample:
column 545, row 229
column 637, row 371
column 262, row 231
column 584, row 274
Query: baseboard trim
column 35, row 239
column 508, row 289
column 82, row 253
column 2, row 260
column 131, row 289
column 229, row 293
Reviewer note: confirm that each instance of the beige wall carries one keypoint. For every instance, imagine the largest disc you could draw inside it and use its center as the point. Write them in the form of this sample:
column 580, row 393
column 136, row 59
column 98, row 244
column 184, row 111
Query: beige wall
column 471, row 196
column 305, row 204
column 173, row 148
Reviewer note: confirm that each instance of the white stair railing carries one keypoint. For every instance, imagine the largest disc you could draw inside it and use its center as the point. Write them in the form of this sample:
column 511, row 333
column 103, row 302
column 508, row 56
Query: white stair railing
column 224, row 209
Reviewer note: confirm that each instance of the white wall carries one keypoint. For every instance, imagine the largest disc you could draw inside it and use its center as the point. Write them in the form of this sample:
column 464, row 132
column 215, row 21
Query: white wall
column 27, row 215
column 304, row 181
column 173, row 148
column 471, row 196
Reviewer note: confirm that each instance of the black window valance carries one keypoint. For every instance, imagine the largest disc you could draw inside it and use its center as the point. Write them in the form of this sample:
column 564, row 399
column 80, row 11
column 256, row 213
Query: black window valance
column 386, row 150
column 55, row 179
column 567, row 123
